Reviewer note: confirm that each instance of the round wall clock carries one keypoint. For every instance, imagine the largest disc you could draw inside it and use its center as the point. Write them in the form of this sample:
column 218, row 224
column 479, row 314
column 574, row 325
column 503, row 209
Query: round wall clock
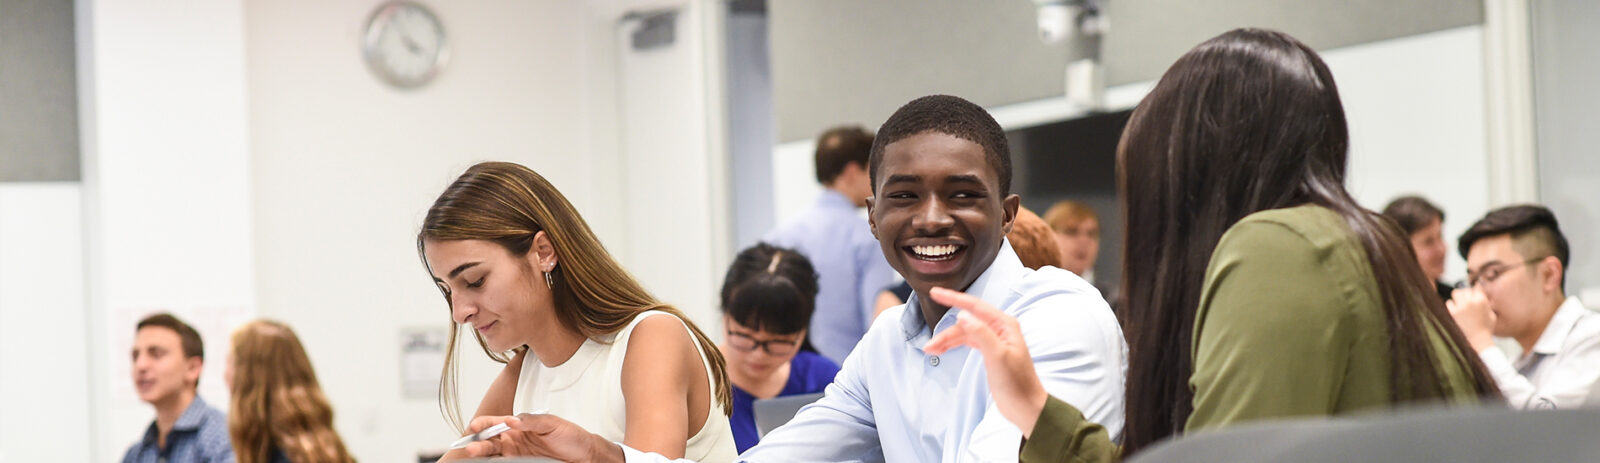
column 404, row 44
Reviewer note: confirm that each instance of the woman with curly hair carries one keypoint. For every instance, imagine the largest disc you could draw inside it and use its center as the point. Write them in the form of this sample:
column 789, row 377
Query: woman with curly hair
column 278, row 412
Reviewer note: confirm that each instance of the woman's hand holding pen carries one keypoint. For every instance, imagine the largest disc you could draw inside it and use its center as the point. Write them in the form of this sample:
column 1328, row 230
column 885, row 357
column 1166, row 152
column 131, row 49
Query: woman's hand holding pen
column 541, row 435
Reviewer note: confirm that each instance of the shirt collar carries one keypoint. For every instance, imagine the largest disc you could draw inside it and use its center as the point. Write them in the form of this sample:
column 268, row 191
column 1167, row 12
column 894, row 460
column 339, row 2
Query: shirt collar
column 192, row 417
column 1555, row 333
column 150, row 434
column 190, row 420
column 834, row 200
column 993, row 286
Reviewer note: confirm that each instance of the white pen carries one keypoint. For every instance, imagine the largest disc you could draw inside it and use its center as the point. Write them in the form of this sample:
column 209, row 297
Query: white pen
column 487, row 433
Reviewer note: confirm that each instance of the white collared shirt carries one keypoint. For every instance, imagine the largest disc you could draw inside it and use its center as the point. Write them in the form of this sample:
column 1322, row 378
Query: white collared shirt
column 894, row 402
column 1561, row 369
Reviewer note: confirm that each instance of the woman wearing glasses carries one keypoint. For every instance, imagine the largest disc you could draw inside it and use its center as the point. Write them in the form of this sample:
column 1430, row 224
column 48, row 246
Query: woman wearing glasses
column 767, row 301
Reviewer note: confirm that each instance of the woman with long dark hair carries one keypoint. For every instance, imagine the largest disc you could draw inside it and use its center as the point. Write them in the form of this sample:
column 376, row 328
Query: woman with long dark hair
column 1256, row 287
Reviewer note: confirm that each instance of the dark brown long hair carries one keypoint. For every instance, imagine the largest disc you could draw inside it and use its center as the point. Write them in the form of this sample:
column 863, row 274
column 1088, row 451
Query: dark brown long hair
column 1246, row 122
column 507, row 204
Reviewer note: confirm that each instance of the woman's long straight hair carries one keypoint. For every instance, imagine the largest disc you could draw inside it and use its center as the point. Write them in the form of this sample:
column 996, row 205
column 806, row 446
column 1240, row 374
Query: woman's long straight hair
column 507, row 204
column 1246, row 122
column 277, row 402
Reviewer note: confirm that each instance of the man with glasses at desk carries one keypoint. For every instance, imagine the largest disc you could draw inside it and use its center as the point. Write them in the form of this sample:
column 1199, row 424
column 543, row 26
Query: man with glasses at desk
column 1516, row 270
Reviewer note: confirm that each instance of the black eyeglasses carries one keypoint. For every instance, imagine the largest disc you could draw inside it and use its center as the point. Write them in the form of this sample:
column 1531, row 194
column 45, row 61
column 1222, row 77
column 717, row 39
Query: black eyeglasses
column 746, row 343
column 1489, row 273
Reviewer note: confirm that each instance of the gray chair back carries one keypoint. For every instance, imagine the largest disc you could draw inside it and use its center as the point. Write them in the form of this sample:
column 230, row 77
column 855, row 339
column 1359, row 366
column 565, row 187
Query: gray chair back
column 774, row 412
column 1444, row 436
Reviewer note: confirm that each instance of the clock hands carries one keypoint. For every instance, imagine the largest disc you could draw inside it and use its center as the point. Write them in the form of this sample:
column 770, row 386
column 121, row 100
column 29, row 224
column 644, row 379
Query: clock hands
column 411, row 45
column 404, row 43
column 407, row 22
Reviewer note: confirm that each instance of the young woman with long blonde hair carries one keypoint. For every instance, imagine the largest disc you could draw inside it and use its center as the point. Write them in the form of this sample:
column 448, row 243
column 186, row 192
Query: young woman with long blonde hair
column 278, row 412
column 580, row 338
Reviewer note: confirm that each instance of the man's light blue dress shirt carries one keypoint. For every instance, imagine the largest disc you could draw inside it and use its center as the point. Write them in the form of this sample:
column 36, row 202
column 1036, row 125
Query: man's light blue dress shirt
column 893, row 402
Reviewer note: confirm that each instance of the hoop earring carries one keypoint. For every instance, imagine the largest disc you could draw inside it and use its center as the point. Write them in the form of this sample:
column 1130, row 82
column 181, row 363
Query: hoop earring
column 549, row 281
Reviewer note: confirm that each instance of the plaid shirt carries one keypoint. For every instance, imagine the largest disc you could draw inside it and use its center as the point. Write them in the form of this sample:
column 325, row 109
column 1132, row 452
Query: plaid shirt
column 200, row 435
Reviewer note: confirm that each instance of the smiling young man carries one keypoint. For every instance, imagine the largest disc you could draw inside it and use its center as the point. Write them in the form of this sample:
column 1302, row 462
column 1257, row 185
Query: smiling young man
column 941, row 176
column 1517, row 263
column 942, row 206
column 167, row 359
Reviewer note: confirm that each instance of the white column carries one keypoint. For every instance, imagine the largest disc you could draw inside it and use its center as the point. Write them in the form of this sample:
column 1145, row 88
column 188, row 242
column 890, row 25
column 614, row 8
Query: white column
column 166, row 190
column 43, row 328
column 1508, row 85
column 673, row 152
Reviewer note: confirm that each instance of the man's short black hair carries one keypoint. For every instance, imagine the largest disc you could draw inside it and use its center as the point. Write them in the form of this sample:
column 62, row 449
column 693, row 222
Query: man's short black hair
column 840, row 146
column 1533, row 229
column 948, row 115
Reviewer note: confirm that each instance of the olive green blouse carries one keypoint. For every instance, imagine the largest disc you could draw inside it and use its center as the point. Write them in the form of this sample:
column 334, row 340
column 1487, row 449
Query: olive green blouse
column 1290, row 324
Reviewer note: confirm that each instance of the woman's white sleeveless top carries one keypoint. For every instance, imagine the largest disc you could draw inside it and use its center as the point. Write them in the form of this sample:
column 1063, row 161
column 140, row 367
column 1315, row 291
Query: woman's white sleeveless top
column 587, row 390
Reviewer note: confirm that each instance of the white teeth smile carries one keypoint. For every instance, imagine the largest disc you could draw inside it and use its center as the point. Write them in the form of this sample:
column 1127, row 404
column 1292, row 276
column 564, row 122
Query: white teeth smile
column 935, row 252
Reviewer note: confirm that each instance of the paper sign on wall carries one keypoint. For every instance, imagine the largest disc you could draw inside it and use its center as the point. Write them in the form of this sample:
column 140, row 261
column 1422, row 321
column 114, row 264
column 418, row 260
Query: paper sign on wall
column 422, row 352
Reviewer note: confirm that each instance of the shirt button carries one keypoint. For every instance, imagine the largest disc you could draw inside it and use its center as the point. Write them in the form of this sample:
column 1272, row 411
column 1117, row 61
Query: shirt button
column 933, row 360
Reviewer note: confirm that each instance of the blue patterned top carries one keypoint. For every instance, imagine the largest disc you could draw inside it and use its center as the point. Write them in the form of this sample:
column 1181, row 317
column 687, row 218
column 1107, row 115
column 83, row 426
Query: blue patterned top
column 200, row 435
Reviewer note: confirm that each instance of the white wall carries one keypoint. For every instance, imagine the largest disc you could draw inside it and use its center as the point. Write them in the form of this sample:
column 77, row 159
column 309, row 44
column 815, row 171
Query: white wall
column 751, row 126
column 1414, row 105
column 42, row 304
column 1416, row 112
column 166, row 190
column 794, row 178
column 1565, row 73
column 674, row 160
column 344, row 168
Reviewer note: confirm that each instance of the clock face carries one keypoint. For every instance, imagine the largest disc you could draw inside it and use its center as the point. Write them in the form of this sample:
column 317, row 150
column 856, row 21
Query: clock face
column 404, row 44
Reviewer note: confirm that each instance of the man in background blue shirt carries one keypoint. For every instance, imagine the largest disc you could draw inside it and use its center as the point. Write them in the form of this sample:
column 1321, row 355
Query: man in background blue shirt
column 835, row 238
column 167, row 359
